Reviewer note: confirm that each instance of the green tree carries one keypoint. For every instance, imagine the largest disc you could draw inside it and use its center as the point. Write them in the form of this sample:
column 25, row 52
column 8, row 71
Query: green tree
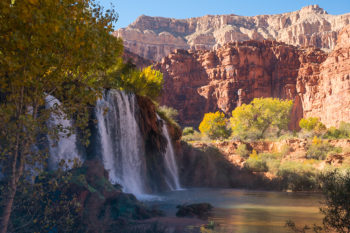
column 312, row 124
column 48, row 47
column 214, row 125
column 256, row 118
column 243, row 151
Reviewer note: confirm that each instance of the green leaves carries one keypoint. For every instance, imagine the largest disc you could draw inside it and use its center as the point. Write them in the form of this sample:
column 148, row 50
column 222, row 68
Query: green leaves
column 312, row 124
column 147, row 82
column 254, row 119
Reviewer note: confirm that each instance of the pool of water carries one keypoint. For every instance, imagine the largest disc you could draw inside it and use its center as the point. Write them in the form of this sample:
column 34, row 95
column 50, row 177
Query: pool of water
column 245, row 210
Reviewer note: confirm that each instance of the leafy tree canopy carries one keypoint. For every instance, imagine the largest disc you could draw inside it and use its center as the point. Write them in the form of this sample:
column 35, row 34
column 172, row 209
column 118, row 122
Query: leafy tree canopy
column 256, row 118
column 213, row 125
column 61, row 48
column 312, row 124
column 146, row 82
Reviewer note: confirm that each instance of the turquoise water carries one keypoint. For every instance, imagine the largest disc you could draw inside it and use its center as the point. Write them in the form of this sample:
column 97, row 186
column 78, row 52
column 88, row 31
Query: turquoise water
column 246, row 211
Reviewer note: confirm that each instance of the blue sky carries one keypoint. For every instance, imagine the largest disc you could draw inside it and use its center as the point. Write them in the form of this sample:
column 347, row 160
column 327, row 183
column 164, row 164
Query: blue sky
column 129, row 10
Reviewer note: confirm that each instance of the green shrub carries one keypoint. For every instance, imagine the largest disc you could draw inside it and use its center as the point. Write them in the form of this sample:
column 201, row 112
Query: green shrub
column 196, row 136
column 243, row 151
column 255, row 163
column 312, row 124
column 285, row 150
column 333, row 133
column 344, row 127
column 319, row 150
column 187, row 131
column 287, row 135
column 342, row 132
column 296, row 176
column 169, row 114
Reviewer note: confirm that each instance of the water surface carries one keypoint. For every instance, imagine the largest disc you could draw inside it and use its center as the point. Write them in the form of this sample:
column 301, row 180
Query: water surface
column 246, row 211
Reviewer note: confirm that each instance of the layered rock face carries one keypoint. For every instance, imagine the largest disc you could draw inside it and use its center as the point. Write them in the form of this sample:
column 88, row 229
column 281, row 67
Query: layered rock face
column 206, row 81
column 155, row 37
column 197, row 82
column 324, row 88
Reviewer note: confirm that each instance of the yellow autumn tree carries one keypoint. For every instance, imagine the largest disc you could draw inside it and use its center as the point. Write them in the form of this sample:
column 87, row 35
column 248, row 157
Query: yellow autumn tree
column 254, row 119
column 213, row 125
column 47, row 47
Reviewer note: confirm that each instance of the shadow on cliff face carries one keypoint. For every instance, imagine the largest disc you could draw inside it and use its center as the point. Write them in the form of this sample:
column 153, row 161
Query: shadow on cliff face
column 207, row 167
column 182, row 83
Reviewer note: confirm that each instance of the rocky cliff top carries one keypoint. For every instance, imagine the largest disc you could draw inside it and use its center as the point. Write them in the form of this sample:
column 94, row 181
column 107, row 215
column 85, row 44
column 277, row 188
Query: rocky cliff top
column 155, row 37
column 201, row 81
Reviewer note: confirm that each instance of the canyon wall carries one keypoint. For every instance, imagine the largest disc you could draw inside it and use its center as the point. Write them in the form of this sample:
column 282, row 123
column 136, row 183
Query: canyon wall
column 155, row 37
column 197, row 82
column 324, row 88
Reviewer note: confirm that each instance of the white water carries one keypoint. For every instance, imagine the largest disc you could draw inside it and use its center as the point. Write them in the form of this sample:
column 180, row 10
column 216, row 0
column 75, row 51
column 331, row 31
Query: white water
column 64, row 147
column 172, row 176
column 122, row 152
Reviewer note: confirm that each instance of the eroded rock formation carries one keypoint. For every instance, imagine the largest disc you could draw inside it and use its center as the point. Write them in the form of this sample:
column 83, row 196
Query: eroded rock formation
column 197, row 82
column 155, row 37
column 324, row 88
column 206, row 81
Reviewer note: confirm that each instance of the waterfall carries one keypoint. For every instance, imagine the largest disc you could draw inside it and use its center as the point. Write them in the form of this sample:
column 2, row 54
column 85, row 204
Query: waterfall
column 122, row 147
column 172, row 176
column 64, row 147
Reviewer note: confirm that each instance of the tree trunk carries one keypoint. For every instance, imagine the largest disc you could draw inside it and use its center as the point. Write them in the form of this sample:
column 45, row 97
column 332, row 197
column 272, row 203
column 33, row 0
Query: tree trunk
column 8, row 208
column 17, row 172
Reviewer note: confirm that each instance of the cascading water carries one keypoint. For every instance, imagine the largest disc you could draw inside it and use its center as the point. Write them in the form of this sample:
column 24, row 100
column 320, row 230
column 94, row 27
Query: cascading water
column 172, row 176
column 122, row 145
column 64, row 147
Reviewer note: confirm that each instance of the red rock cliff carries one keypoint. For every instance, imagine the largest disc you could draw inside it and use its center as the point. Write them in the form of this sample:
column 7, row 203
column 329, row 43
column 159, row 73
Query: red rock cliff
column 197, row 82
column 324, row 88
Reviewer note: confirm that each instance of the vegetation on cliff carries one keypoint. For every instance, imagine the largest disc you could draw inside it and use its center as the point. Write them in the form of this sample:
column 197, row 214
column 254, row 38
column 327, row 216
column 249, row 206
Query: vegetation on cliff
column 288, row 166
column 263, row 116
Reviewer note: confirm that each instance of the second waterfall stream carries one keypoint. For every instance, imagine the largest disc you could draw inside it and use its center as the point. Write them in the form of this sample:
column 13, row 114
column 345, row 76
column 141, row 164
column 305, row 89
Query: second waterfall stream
column 122, row 146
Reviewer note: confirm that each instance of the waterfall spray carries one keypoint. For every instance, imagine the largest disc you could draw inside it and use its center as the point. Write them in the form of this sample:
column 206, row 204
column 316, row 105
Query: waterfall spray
column 122, row 152
column 64, row 147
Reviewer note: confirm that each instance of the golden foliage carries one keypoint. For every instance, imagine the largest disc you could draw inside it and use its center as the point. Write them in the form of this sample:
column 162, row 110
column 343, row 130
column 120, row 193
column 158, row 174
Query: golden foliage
column 214, row 125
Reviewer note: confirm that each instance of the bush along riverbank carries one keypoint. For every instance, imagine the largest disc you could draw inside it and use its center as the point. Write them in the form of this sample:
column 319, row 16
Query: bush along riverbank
column 290, row 164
